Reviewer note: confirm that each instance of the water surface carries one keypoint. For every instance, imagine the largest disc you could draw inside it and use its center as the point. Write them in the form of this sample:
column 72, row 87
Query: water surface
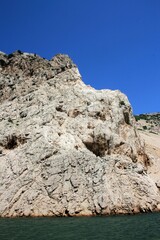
column 141, row 226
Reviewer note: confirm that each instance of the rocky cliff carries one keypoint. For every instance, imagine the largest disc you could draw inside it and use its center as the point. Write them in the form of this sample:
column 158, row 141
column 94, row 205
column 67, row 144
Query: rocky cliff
column 65, row 148
column 149, row 129
column 148, row 122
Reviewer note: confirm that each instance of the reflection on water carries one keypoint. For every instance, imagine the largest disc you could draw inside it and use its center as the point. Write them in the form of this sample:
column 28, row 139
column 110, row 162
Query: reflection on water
column 141, row 226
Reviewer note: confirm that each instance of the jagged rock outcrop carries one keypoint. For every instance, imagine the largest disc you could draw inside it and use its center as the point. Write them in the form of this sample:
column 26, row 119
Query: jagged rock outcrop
column 66, row 148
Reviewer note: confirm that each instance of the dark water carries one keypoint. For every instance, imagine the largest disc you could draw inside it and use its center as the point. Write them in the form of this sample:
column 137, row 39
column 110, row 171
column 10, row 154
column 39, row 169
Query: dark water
column 142, row 226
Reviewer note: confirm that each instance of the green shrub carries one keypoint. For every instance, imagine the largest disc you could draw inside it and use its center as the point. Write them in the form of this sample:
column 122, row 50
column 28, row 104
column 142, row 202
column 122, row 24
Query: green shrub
column 145, row 127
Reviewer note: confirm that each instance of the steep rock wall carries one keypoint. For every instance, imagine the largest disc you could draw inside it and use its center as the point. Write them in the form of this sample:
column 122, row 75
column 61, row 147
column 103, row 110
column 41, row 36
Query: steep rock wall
column 66, row 148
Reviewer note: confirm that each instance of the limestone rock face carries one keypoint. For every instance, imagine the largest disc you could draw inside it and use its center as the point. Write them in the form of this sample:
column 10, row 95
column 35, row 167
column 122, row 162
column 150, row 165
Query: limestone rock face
column 65, row 148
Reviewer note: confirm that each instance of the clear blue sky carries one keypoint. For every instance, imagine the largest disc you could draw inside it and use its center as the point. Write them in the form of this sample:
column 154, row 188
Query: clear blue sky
column 115, row 43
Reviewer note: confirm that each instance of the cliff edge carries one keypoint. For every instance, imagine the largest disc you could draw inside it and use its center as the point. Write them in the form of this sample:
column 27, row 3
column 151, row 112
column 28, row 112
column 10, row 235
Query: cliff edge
column 67, row 149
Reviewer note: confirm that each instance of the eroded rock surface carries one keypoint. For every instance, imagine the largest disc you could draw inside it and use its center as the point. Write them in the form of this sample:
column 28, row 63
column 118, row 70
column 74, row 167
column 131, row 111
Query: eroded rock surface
column 66, row 148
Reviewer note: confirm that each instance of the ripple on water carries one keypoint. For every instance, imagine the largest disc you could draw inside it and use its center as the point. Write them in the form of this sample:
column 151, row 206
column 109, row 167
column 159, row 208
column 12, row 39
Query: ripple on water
column 137, row 227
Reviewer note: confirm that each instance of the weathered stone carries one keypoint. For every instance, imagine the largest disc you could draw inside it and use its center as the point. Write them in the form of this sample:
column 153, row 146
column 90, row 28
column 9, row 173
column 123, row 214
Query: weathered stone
column 66, row 148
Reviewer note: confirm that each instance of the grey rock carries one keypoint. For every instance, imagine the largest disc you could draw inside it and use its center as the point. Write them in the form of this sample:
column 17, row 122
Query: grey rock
column 67, row 149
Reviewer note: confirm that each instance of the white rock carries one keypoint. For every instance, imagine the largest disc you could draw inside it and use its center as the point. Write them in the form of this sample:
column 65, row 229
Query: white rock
column 75, row 151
